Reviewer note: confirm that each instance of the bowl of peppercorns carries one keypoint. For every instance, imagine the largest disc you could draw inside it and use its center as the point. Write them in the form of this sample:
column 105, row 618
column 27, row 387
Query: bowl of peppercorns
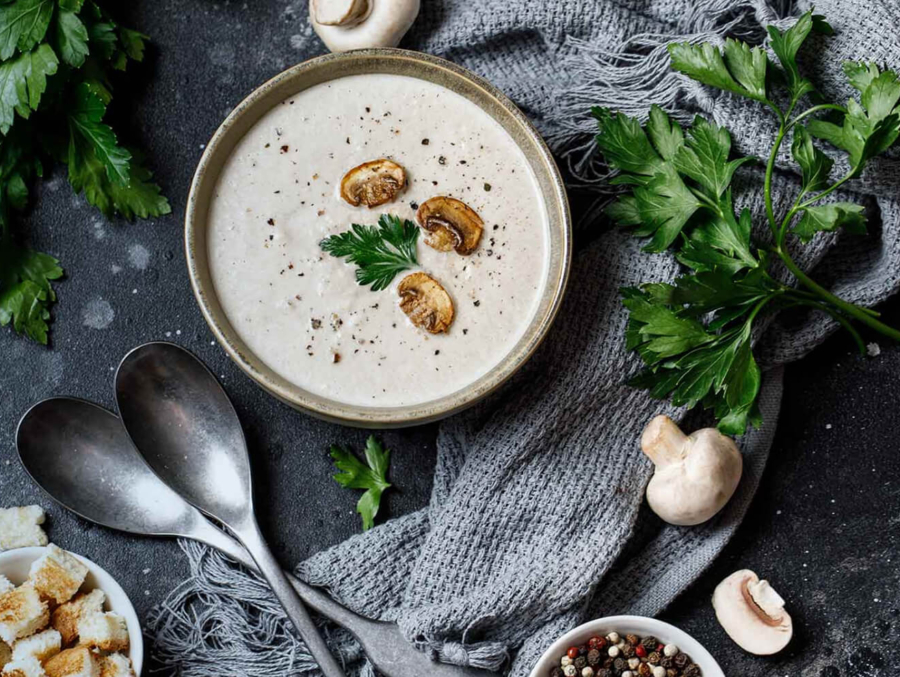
column 626, row 646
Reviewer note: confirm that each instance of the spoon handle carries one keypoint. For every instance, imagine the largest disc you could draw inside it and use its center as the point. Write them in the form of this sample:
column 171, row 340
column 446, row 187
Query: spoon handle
column 253, row 540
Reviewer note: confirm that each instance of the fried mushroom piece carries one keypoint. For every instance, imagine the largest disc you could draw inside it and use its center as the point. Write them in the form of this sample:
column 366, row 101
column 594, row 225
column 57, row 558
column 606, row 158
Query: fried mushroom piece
column 426, row 303
column 373, row 183
column 451, row 224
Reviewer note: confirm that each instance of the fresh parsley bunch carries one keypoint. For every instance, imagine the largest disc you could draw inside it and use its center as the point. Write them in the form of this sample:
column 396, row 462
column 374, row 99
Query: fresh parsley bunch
column 57, row 60
column 371, row 476
column 695, row 335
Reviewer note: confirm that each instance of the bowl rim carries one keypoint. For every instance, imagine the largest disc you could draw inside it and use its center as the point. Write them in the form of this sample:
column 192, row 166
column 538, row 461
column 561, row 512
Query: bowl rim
column 627, row 623
column 106, row 582
column 443, row 72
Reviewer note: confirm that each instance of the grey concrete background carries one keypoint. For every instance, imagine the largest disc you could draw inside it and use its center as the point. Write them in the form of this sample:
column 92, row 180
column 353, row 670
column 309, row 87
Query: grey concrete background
column 824, row 527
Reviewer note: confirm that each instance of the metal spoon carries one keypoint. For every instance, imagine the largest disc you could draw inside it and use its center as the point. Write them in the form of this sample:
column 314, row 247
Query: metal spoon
column 80, row 455
column 183, row 424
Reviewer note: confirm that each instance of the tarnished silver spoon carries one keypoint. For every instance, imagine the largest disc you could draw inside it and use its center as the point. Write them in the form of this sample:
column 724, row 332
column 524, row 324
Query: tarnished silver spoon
column 80, row 455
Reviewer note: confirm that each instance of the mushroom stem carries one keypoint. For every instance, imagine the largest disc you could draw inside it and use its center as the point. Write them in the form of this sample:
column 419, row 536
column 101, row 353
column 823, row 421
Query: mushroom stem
column 663, row 442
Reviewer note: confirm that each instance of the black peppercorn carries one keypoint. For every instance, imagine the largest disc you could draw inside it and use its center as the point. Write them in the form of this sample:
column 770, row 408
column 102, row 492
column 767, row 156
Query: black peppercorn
column 628, row 651
column 650, row 643
column 580, row 663
column 620, row 665
column 681, row 660
column 556, row 672
column 603, row 672
column 608, row 662
column 593, row 657
column 692, row 670
column 633, row 640
column 653, row 657
column 582, row 650
column 667, row 662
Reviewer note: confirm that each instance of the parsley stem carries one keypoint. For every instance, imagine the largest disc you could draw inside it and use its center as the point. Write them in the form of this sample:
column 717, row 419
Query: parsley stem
column 840, row 319
column 825, row 192
column 816, row 109
column 770, row 168
column 847, row 307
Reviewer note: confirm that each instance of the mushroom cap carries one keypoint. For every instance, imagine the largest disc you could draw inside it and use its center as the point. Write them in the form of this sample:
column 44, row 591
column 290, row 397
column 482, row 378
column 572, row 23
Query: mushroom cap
column 695, row 475
column 339, row 12
column 373, row 183
column 426, row 303
column 752, row 613
column 382, row 24
column 451, row 224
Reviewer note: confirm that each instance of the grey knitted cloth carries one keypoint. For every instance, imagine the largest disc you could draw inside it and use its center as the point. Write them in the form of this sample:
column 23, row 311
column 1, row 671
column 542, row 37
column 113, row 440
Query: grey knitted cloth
column 489, row 574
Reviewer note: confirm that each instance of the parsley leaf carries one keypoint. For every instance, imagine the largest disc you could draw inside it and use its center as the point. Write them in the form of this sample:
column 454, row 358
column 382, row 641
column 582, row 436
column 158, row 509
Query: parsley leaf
column 379, row 252
column 704, row 158
column 814, row 164
column 830, row 217
column 23, row 24
column 71, row 38
column 371, row 476
column 786, row 45
column 23, row 81
column 25, row 291
column 742, row 71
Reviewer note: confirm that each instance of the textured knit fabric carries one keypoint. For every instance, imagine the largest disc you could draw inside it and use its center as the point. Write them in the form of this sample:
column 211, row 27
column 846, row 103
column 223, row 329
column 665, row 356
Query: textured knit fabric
column 489, row 574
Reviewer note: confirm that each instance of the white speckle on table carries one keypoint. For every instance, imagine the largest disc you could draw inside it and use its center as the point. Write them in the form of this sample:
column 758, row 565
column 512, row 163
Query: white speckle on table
column 97, row 314
column 116, row 269
column 134, row 291
column 168, row 334
column 873, row 350
column 828, row 426
column 138, row 256
column 99, row 232
column 177, row 332
column 145, row 571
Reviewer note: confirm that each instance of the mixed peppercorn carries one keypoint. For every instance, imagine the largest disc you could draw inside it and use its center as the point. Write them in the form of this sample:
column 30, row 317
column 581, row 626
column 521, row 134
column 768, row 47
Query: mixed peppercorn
column 628, row 656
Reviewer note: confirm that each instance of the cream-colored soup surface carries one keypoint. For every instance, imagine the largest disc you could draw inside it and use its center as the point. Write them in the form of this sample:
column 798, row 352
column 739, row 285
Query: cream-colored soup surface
column 302, row 312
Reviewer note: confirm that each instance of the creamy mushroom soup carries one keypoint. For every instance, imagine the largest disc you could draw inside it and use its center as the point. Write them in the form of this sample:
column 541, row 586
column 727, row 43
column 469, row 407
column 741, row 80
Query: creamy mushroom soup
column 301, row 311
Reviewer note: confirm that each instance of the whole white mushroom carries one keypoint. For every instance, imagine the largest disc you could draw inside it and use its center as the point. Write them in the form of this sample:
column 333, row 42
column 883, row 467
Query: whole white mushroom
column 344, row 25
column 696, row 475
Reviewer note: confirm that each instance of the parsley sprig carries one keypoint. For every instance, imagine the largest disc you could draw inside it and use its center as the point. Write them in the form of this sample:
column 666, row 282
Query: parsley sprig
column 695, row 336
column 379, row 252
column 371, row 476
column 57, row 64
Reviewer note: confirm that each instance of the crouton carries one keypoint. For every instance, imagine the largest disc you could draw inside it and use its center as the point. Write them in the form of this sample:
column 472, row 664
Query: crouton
column 65, row 617
column 57, row 575
column 104, row 631
column 22, row 613
column 19, row 527
column 77, row 662
column 5, row 585
column 42, row 646
column 5, row 654
column 27, row 667
column 116, row 665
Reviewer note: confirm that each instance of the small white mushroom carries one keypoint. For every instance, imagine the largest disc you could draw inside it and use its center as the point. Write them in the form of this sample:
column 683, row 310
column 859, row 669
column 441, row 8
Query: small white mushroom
column 696, row 475
column 752, row 613
column 344, row 25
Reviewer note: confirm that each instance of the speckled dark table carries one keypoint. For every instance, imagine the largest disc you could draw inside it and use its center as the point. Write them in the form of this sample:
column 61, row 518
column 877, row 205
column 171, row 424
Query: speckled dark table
column 825, row 526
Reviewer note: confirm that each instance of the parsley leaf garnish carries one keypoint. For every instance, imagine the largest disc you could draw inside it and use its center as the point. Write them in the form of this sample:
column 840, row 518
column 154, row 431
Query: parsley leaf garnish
column 379, row 252
column 57, row 60
column 695, row 336
column 371, row 476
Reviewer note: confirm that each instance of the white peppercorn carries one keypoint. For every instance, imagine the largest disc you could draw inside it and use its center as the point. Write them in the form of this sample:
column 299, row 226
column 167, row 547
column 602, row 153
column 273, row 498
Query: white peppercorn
column 633, row 663
column 670, row 650
column 659, row 671
column 613, row 637
column 587, row 672
column 613, row 652
column 570, row 671
column 565, row 661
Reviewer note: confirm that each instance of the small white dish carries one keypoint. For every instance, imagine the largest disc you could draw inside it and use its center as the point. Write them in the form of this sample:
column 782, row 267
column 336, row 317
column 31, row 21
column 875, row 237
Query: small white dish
column 15, row 564
column 637, row 625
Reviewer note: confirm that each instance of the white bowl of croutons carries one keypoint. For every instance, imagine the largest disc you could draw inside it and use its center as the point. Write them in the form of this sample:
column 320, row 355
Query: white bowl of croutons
column 61, row 615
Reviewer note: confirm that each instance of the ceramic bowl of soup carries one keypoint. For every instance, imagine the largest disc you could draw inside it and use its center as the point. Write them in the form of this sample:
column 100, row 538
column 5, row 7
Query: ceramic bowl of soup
column 268, row 192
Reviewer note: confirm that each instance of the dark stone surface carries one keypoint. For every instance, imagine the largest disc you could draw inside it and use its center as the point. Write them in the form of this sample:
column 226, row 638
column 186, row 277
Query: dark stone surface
column 824, row 527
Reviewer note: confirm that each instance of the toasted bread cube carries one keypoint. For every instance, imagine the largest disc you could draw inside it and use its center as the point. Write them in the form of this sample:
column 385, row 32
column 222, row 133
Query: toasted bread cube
column 57, row 575
column 105, row 631
column 27, row 667
column 116, row 665
column 66, row 616
column 42, row 646
column 77, row 662
column 19, row 527
column 22, row 613
column 5, row 654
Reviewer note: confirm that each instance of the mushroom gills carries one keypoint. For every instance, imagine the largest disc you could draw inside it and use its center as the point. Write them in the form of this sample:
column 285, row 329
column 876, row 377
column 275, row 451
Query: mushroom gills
column 373, row 183
column 451, row 224
column 341, row 12
column 752, row 613
column 426, row 303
